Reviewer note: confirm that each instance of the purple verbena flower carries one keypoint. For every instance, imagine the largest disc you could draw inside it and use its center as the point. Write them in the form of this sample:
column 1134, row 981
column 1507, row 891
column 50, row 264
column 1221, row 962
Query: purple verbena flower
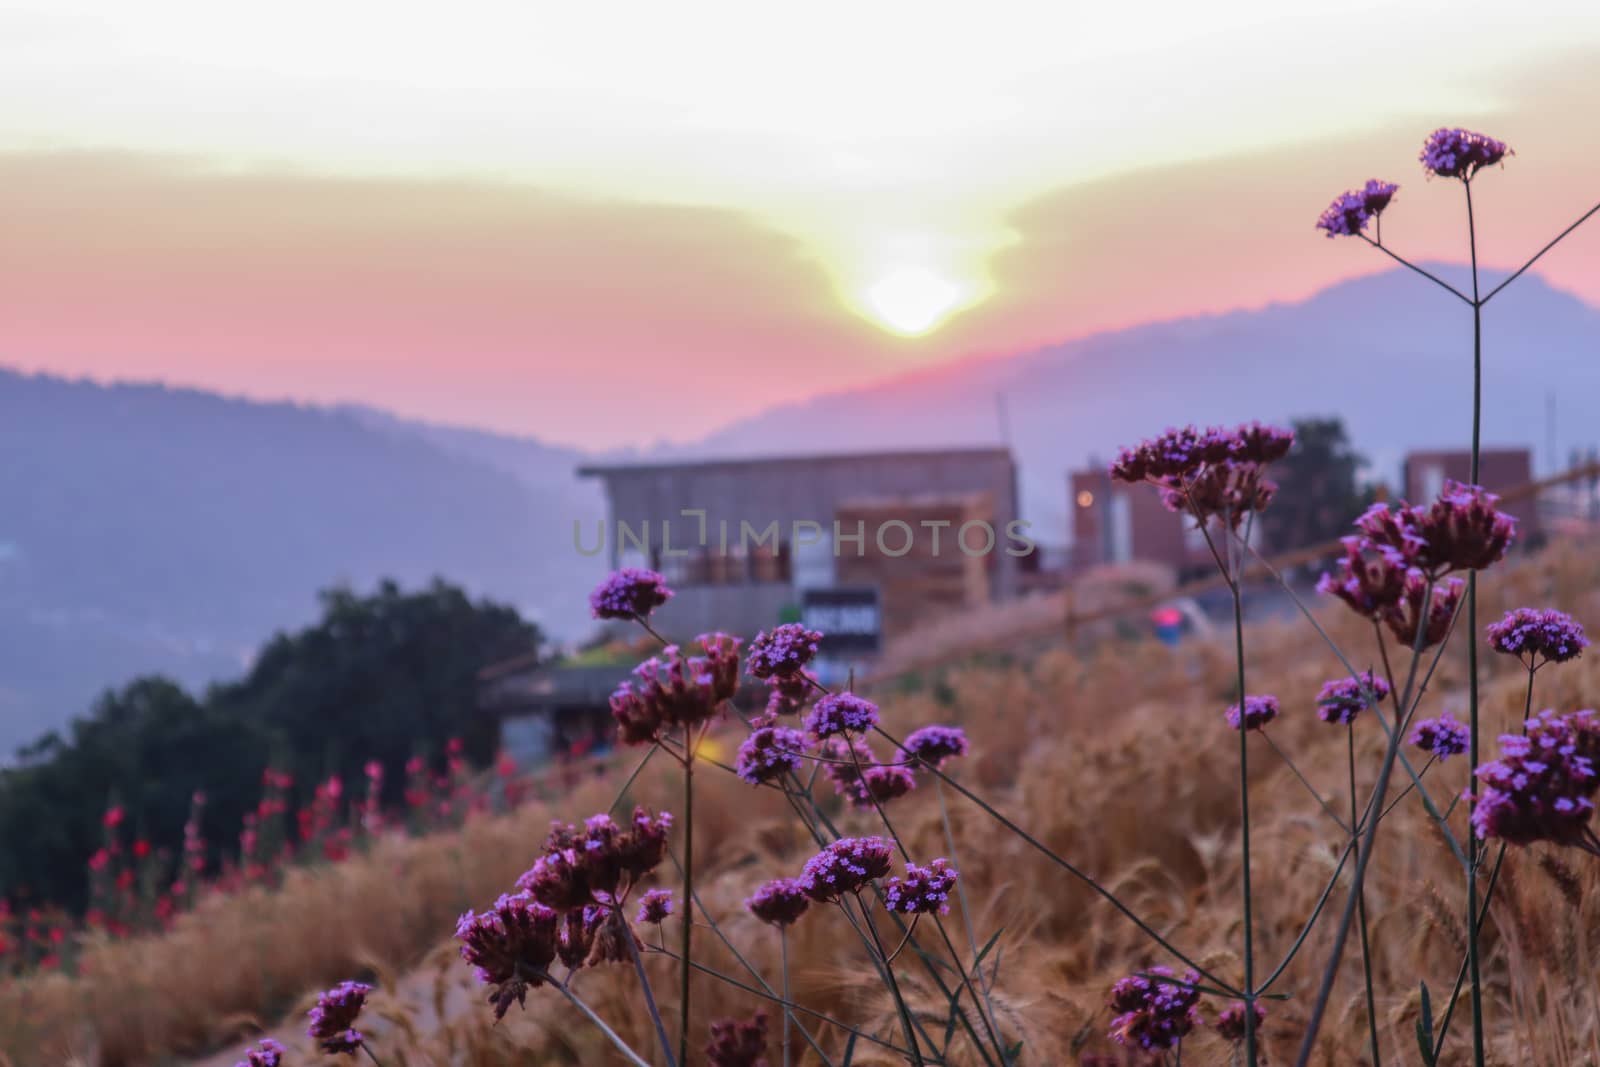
column 781, row 901
column 676, row 691
column 736, row 1043
column 923, row 890
column 1444, row 736
column 1458, row 153
column 845, row 866
column 1154, row 1015
column 511, row 947
column 334, row 1016
column 1342, row 699
column 1258, row 711
column 1537, row 637
column 788, row 695
column 1460, row 531
column 770, row 752
column 1346, row 216
column 841, row 713
column 630, row 593
column 784, row 652
column 1541, row 787
column 268, row 1053
column 598, row 862
column 654, row 907
column 934, row 744
column 1405, row 617
column 1230, row 1024
column 885, row 782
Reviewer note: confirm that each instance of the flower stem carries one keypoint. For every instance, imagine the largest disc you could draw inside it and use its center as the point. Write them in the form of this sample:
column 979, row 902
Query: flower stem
column 1244, row 824
column 644, row 985
column 1361, row 906
column 685, row 971
column 611, row 1035
column 783, row 955
column 1473, row 845
column 894, row 986
column 373, row 1056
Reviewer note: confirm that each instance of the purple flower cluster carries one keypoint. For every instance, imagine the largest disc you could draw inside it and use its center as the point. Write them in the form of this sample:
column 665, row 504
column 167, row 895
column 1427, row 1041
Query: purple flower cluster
column 1458, row 153
column 840, row 714
column 784, row 652
column 736, row 1043
column 1258, row 711
column 771, row 752
column 1342, row 699
column 844, row 867
column 1153, row 1015
column 334, row 1016
column 654, row 907
column 598, row 862
column 788, row 694
column 511, row 947
column 1210, row 472
column 781, row 901
column 1444, row 736
column 923, row 890
column 1537, row 637
column 933, row 745
column 1351, row 210
column 268, row 1053
column 1542, row 786
column 631, row 593
column 859, row 777
column 1386, row 569
column 674, row 690
column 1461, row 531
column 1230, row 1023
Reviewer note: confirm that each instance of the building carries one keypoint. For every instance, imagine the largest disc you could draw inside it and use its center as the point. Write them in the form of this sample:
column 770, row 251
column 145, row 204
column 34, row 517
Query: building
column 1117, row 523
column 742, row 540
column 1423, row 474
column 545, row 710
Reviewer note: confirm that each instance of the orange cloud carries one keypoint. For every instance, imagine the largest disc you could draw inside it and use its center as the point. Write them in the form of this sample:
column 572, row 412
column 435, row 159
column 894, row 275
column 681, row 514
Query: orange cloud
column 585, row 321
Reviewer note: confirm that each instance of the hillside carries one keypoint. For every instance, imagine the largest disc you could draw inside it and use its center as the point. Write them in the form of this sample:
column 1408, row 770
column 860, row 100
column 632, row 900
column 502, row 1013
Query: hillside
column 149, row 529
column 1389, row 352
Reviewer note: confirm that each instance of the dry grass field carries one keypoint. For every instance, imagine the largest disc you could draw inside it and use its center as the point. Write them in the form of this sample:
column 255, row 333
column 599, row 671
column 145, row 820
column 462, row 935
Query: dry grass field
column 1117, row 758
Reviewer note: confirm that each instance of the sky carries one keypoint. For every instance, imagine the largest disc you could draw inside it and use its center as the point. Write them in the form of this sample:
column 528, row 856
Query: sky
column 613, row 224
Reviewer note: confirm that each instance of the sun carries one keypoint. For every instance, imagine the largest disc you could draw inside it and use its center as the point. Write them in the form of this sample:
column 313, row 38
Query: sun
column 913, row 300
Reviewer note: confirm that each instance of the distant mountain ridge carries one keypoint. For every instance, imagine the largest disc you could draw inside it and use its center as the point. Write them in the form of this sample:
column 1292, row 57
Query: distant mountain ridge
column 145, row 528
column 1390, row 352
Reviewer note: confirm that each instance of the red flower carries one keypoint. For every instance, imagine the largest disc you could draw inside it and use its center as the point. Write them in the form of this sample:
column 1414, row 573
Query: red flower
column 113, row 817
column 141, row 848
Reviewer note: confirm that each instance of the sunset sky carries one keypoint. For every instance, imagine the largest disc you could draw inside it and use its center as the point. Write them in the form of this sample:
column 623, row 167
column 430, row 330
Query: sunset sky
column 609, row 224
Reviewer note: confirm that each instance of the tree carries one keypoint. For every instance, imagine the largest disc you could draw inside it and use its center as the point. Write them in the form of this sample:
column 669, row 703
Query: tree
column 1318, row 496
column 380, row 677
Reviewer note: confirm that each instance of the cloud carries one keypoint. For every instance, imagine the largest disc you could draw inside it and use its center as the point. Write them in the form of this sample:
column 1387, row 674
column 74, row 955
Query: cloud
column 496, row 304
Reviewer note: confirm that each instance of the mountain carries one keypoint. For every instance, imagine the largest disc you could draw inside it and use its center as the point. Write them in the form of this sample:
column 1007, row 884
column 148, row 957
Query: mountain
column 148, row 529
column 1390, row 352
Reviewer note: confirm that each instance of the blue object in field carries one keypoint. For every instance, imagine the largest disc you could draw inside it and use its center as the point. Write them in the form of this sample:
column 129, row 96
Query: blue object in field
column 1168, row 623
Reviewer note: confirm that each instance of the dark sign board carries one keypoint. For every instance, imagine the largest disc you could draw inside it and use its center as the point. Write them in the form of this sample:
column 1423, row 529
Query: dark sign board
column 849, row 619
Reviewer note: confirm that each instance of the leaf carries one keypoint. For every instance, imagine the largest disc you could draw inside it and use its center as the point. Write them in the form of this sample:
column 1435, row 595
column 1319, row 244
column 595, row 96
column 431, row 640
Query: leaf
column 1425, row 1029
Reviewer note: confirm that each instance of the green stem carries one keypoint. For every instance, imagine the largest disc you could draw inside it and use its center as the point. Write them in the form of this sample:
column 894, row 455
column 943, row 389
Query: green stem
column 611, row 1035
column 1361, row 906
column 783, row 955
column 1250, row 1053
column 894, row 986
column 685, row 972
column 644, row 985
column 1474, row 963
column 373, row 1056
